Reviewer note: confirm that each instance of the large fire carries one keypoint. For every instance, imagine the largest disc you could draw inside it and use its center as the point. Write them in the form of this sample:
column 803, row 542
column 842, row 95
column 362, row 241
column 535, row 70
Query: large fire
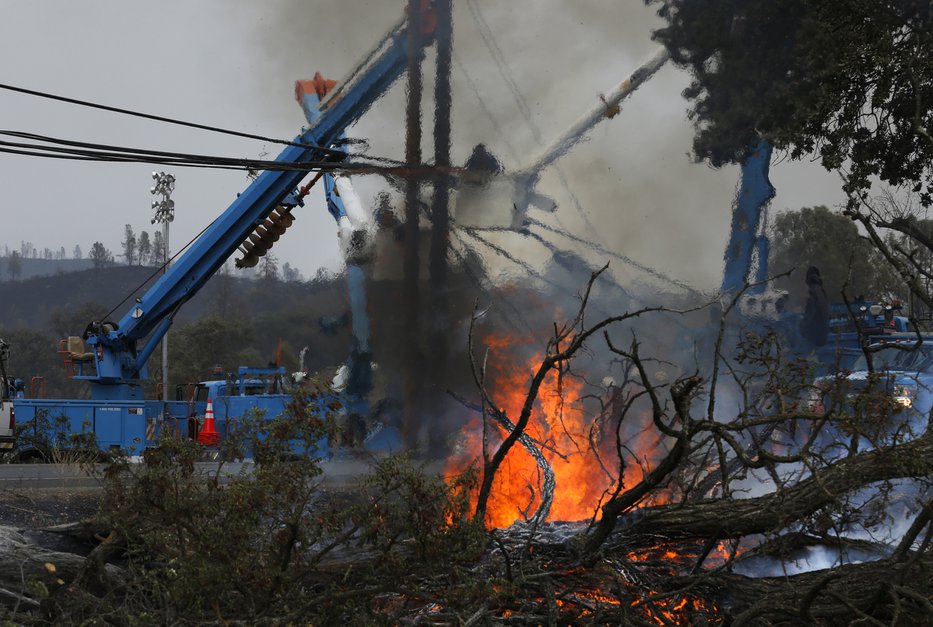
column 579, row 447
column 586, row 434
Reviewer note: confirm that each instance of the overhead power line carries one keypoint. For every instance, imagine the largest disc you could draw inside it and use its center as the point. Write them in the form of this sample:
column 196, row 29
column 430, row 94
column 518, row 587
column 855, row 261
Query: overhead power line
column 161, row 158
column 148, row 116
column 605, row 251
column 52, row 147
column 177, row 122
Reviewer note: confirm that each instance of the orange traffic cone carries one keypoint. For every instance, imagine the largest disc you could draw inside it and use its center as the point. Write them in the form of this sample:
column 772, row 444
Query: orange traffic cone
column 208, row 435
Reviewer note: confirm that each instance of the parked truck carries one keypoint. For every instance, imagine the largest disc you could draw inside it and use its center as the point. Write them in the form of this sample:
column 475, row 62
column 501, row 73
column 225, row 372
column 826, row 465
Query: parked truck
column 131, row 425
column 111, row 355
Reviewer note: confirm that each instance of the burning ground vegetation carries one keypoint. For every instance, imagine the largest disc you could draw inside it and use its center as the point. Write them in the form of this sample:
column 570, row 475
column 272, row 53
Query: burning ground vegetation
column 605, row 478
column 745, row 489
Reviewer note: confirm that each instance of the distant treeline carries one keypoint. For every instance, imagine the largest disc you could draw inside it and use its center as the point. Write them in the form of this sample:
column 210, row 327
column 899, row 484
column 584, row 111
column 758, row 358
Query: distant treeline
column 141, row 249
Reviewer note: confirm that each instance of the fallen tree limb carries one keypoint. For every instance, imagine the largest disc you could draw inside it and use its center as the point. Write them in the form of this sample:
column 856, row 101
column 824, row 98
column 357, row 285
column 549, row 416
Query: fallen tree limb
column 837, row 596
column 28, row 571
column 733, row 518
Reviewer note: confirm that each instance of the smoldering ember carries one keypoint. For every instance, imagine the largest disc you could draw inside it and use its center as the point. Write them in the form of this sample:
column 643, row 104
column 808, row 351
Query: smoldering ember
column 652, row 355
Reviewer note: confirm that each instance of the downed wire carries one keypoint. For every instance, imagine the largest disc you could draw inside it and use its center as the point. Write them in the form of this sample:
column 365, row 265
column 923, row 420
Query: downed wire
column 533, row 446
column 605, row 251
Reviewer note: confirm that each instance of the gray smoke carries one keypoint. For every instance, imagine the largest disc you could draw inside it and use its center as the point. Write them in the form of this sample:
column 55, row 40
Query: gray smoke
column 631, row 187
column 639, row 192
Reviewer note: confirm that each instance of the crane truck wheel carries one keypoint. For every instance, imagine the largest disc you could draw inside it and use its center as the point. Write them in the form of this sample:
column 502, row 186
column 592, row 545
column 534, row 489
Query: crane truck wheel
column 31, row 456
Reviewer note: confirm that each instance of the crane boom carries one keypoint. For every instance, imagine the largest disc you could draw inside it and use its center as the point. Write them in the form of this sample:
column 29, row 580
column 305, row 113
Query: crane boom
column 755, row 192
column 253, row 220
column 607, row 107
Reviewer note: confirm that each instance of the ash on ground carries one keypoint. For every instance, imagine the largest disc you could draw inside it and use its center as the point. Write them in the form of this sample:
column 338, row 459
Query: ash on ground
column 39, row 508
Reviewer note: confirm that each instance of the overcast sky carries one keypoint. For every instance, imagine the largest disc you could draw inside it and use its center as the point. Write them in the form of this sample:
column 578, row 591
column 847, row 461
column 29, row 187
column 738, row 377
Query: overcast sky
column 232, row 63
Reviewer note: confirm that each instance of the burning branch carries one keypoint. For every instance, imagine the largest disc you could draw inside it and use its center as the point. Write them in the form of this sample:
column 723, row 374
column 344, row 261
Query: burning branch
column 681, row 393
column 565, row 343
column 669, row 525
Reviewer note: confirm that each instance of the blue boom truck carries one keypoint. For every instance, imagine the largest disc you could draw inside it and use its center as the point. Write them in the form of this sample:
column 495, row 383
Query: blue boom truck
column 846, row 329
column 111, row 356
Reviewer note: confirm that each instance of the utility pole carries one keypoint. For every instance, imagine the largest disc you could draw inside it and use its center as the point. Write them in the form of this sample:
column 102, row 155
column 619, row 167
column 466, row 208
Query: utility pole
column 438, row 324
column 413, row 366
column 164, row 214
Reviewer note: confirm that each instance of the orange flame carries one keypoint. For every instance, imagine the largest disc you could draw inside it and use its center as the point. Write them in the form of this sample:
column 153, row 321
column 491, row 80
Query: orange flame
column 580, row 450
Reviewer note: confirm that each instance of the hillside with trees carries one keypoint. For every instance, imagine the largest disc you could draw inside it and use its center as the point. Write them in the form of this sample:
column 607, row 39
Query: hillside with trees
column 232, row 321
column 28, row 261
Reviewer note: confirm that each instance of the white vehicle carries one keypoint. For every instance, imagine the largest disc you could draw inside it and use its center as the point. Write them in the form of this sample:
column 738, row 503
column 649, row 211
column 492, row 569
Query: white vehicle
column 7, row 392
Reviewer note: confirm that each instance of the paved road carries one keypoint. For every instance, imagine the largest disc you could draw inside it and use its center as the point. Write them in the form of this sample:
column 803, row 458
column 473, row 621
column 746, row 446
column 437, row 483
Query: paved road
column 337, row 473
column 45, row 476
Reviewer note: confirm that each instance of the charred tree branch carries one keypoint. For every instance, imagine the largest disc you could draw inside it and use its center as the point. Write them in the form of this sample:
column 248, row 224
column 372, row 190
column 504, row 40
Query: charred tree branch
column 575, row 340
column 741, row 517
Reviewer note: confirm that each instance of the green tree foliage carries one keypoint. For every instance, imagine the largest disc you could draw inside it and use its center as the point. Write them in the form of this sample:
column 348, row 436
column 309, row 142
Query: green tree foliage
column 34, row 353
column 66, row 321
column 290, row 274
column 269, row 268
column 266, row 544
column 848, row 80
column 157, row 256
column 225, row 298
column 816, row 236
column 144, row 249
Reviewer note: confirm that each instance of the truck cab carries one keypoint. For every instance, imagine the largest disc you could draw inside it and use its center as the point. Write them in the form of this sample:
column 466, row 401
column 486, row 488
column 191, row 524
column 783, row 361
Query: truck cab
column 7, row 414
column 10, row 388
column 236, row 395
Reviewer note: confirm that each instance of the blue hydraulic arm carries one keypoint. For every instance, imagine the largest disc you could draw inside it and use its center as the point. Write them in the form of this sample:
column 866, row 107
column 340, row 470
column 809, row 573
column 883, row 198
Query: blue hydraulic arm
column 359, row 363
column 120, row 362
column 753, row 197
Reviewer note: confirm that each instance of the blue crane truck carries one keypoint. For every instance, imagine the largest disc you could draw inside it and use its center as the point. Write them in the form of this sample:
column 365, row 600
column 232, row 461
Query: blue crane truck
column 111, row 356
column 132, row 425
column 844, row 329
